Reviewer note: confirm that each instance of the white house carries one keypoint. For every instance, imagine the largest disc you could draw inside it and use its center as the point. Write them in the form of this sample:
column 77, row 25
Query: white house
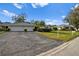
column 19, row 26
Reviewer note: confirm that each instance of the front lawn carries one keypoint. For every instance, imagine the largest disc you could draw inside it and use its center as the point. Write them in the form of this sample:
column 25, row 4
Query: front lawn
column 1, row 33
column 60, row 35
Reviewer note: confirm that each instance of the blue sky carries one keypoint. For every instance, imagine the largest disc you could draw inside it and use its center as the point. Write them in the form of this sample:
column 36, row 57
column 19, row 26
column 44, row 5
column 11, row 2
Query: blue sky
column 51, row 13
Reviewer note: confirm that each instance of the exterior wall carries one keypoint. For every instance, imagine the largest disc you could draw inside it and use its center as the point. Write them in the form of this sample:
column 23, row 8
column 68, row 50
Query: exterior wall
column 29, row 28
column 21, row 28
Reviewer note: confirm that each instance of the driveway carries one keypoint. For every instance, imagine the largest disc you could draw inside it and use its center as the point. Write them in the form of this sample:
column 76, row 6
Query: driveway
column 25, row 44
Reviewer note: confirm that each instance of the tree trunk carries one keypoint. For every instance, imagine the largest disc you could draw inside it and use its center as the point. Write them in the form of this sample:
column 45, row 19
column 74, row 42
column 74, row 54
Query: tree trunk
column 76, row 29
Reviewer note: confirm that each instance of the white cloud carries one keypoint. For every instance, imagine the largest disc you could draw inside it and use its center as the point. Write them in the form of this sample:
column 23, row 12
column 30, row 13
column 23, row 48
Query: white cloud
column 76, row 5
column 36, row 5
column 7, row 13
column 72, row 8
column 33, row 5
column 63, row 17
column 19, row 6
column 50, row 22
column 53, row 22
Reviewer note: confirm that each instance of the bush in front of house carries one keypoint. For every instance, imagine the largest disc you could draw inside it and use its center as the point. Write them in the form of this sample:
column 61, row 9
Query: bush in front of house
column 44, row 30
column 8, row 29
column 25, row 30
column 35, row 29
column 40, row 30
column 1, row 29
column 5, row 28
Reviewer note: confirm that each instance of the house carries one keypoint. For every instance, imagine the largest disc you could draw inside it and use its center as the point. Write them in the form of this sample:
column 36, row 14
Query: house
column 19, row 26
column 60, row 27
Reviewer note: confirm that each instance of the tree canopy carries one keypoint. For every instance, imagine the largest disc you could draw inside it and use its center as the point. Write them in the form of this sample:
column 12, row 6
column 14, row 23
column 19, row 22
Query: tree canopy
column 39, row 23
column 73, row 18
column 19, row 19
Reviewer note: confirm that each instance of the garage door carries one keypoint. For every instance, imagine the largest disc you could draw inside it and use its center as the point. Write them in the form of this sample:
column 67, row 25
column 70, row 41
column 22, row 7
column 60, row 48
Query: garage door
column 17, row 28
column 21, row 28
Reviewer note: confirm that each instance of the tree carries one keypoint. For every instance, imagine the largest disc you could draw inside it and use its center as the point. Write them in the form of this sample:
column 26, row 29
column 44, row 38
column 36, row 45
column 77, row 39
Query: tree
column 73, row 18
column 42, row 23
column 38, row 24
column 19, row 19
column 54, row 27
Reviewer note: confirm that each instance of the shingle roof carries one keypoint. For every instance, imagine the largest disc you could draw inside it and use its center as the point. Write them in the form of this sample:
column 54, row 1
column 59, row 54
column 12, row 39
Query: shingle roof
column 17, row 24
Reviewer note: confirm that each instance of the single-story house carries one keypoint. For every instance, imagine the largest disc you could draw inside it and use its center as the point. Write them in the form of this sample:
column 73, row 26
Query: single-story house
column 19, row 26
column 65, row 26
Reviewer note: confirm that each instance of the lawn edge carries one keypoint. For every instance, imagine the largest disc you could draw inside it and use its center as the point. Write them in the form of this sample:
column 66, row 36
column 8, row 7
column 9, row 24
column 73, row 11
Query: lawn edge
column 59, row 39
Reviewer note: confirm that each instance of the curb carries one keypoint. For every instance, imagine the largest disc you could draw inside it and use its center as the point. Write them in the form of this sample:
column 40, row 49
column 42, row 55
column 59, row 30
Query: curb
column 55, row 50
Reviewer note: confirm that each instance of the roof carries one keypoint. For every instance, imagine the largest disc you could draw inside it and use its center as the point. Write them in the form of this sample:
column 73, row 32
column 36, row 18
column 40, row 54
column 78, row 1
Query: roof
column 16, row 24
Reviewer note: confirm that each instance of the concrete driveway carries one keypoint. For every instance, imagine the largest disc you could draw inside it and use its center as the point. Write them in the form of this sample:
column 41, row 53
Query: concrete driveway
column 25, row 44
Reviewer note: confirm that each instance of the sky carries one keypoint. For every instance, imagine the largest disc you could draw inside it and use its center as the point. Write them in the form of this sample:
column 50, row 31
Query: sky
column 51, row 13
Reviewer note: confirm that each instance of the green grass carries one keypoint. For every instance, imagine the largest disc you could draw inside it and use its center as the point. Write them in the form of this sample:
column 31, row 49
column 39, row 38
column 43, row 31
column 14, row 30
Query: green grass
column 1, row 33
column 60, row 35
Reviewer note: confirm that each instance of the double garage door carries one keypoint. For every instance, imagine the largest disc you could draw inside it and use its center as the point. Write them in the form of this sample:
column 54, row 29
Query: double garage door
column 21, row 28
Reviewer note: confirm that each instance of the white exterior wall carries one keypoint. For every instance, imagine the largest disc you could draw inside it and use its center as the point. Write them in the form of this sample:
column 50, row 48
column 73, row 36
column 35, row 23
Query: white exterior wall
column 21, row 28
column 29, row 28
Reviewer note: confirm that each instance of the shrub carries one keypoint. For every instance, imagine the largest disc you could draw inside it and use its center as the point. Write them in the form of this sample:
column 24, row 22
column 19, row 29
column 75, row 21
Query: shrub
column 25, row 30
column 35, row 29
column 41, row 30
column 4, row 28
column 1, row 29
column 8, row 29
column 55, row 28
column 44, row 29
column 68, row 29
column 71, row 28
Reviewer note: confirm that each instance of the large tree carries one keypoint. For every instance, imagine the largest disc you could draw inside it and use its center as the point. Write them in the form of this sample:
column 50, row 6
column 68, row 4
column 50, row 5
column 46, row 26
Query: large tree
column 20, row 18
column 73, row 18
column 42, row 23
column 39, row 23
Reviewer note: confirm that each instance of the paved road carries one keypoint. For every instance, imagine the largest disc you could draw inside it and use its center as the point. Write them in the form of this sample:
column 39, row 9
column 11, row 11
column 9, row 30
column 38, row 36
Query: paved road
column 25, row 44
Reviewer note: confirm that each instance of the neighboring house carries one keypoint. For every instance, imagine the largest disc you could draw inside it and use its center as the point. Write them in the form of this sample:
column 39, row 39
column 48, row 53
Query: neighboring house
column 19, row 26
column 65, row 26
